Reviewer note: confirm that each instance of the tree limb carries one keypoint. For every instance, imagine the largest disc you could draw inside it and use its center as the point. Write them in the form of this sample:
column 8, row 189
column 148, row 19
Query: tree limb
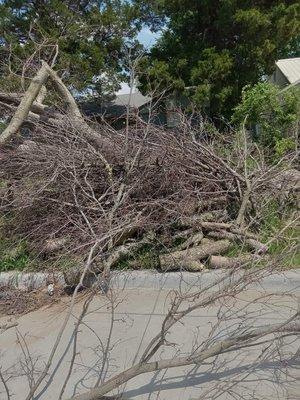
column 187, row 258
column 197, row 358
column 25, row 105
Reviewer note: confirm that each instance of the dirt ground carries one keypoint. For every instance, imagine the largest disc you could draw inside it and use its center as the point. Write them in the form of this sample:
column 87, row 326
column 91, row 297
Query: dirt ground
column 19, row 302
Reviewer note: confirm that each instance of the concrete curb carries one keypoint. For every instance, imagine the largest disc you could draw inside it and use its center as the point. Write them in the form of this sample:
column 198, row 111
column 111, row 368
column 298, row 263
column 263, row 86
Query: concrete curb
column 289, row 280
column 29, row 280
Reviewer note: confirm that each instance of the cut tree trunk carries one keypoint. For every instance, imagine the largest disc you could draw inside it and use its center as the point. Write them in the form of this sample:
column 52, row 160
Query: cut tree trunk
column 229, row 262
column 254, row 244
column 189, row 259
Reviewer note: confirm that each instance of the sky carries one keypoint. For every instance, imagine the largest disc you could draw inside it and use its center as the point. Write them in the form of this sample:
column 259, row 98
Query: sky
column 148, row 39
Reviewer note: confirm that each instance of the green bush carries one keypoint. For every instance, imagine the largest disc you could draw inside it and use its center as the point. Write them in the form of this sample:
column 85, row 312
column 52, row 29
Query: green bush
column 275, row 114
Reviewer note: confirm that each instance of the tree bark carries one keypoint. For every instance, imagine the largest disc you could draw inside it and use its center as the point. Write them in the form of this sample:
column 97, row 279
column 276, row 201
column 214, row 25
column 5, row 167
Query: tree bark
column 189, row 259
column 25, row 105
column 229, row 262
column 254, row 244
column 193, row 240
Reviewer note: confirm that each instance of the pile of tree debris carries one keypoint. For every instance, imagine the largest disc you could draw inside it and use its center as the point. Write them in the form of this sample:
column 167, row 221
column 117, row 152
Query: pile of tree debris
column 73, row 185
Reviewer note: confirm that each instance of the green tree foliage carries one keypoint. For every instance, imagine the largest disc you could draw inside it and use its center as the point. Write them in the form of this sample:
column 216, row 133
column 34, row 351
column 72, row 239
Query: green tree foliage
column 219, row 46
column 275, row 113
column 92, row 37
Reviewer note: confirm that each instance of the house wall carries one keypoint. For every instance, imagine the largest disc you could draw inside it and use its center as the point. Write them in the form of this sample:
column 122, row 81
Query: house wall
column 279, row 79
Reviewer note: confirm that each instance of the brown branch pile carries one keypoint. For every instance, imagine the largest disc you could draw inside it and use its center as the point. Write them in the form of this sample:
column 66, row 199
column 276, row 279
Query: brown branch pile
column 72, row 185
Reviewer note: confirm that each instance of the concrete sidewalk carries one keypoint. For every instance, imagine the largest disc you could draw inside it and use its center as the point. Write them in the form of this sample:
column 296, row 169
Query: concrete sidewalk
column 138, row 317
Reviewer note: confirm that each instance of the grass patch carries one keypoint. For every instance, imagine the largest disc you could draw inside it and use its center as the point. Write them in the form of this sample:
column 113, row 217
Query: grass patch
column 286, row 245
column 15, row 256
column 237, row 249
column 146, row 257
column 65, row 262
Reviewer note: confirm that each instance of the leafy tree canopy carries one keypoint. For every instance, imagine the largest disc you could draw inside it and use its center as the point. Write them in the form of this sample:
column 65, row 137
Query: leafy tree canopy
column 92, row 37
column 219, row 46
column 273, row 112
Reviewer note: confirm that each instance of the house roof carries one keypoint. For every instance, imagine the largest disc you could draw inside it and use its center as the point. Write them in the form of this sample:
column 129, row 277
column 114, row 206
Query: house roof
column 134, row 100
column 116, row 107
column 290, row 67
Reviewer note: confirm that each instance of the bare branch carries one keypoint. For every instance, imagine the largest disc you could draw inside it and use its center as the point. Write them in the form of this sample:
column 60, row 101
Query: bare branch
column 219, row 348
column 24, row 106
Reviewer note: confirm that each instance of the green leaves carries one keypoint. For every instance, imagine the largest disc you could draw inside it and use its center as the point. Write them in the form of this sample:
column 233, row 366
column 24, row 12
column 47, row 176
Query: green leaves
column 225, row 44
column 252, row 20
column 210, row 77
column 273, row 112
column 156, row 76
column 212, row 66
column 92, row 37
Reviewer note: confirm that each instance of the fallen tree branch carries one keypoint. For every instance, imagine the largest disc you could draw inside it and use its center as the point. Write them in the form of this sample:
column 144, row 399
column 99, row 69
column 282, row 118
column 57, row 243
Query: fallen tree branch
column 230, row 262
column 254, row 244
column 241, row 215
column 14, row 100
column 292, row 326
column 246, row 197
column 25, row 105
column 223, row 226
column 72, row 108
column 104, row 265
column 190, row 258
column 193, row 240
column 75, row 114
